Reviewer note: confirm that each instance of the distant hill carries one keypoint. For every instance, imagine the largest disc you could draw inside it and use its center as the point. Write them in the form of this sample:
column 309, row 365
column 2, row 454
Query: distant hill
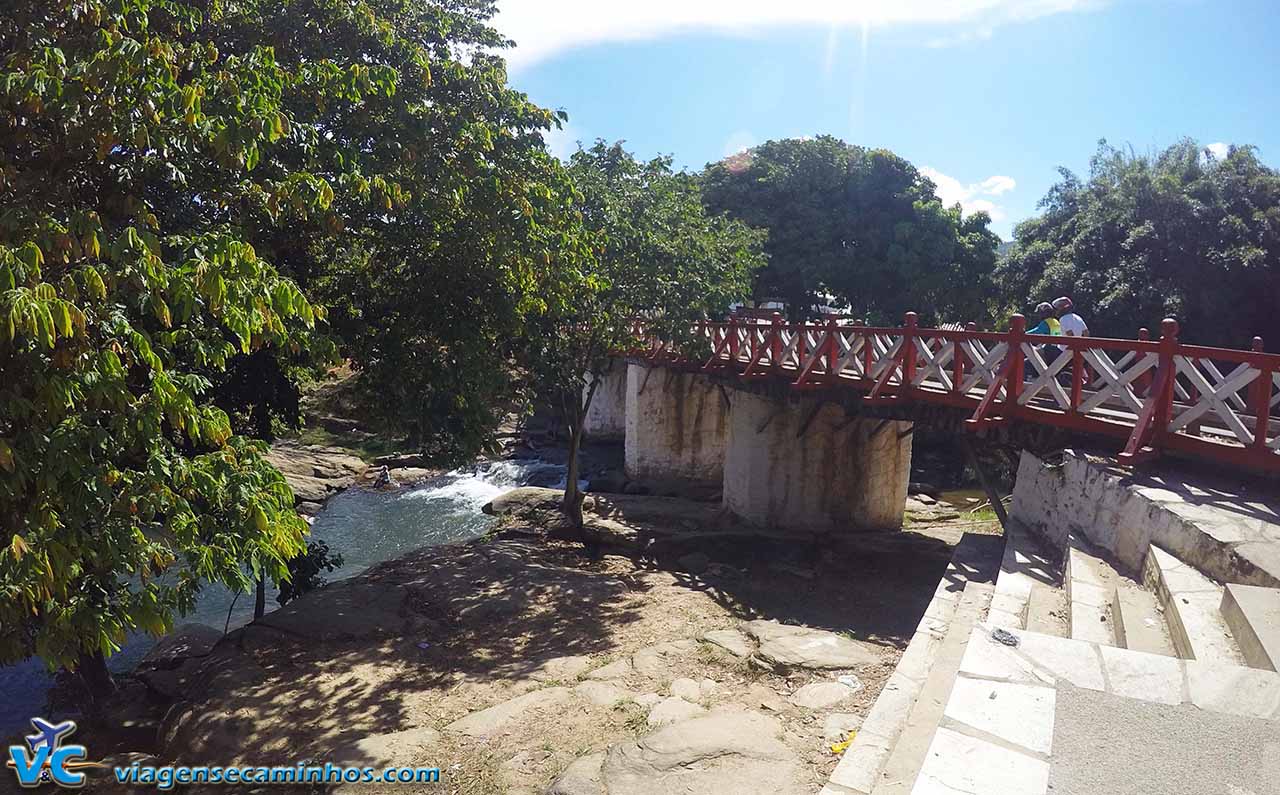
column 1003, row 248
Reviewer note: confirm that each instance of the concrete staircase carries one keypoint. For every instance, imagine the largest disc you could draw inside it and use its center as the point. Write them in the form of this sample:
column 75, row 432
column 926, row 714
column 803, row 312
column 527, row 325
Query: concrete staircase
column 1080, row 611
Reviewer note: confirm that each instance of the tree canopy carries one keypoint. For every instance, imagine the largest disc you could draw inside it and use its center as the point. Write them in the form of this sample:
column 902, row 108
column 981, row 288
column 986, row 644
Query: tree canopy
column 1181, row 234
column 656, row 254
column 453, row 217
column 126, row 285
column 862, row 225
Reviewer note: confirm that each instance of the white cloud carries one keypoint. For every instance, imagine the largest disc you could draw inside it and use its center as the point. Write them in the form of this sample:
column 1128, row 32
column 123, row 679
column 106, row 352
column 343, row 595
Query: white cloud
column 1218, row 149
column 740, row 141
column 974, row 197
column 544, row 28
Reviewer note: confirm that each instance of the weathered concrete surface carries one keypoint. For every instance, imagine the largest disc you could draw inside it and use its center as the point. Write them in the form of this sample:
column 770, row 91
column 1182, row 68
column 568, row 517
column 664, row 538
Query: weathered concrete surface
column 607, row 415
column 677, row 425
column 976, row 560
column 1191, row 607
column 1090, row 584
column 1253, row 615
column 1230, row 533
column 787, row 466
column 1139, row 623
column 1122, row 746
column 909, row 751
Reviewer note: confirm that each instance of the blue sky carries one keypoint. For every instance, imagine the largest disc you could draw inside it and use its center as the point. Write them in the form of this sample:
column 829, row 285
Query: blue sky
column 990, row 96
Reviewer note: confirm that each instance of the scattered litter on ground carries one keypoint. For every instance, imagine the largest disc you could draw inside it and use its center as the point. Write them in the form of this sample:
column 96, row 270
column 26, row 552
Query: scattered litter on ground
column 1004, row 636
column 851, row 681
column 841, row 747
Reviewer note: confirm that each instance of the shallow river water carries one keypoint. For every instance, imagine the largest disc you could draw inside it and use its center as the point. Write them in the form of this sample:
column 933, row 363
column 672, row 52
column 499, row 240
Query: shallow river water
column 365, row 527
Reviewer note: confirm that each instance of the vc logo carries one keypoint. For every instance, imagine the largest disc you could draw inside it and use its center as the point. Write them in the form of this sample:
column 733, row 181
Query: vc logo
column 49, row 759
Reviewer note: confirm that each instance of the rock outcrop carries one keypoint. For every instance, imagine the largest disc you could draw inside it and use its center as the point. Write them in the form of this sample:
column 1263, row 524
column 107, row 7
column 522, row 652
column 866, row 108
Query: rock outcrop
column 724, row 751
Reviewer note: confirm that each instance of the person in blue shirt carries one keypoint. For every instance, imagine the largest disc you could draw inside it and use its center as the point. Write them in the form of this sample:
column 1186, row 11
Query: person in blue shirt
column 1048, row 321
column 1048, row 325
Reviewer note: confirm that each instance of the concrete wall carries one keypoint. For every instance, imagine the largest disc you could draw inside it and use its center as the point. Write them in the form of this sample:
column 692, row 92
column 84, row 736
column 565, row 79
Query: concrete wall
column 607, row 414
column 840, row 475
column 1218, row 532
column 677, row 424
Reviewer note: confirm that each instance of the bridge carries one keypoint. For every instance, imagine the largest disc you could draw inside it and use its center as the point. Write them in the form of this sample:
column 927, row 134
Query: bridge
column 1157, row 395
column 736, row 417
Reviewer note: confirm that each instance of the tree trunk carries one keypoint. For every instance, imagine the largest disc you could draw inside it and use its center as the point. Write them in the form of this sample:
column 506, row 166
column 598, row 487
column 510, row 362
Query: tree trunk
column 93, row 674
column 260, row 600
column 572, row 506
column 573, row 496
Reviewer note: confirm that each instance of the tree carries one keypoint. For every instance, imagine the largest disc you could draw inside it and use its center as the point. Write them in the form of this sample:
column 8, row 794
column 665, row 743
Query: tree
column 129, row 288
column 657, row 255
column 1182, row 233
column 446, row 212
column 862, row 225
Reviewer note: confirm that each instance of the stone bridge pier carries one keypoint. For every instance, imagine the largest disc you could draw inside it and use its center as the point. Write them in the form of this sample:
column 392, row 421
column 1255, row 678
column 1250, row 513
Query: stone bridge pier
column 606, row 418
column 801, row 464
column 787, row 462
column 677, row 426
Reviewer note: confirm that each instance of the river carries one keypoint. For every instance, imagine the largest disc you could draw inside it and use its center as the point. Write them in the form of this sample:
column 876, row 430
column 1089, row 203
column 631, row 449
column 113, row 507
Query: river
column 364, row 526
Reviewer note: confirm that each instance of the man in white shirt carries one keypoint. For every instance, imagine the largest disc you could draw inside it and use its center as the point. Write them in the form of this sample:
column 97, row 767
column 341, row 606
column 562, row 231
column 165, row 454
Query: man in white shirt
column 1072, row 324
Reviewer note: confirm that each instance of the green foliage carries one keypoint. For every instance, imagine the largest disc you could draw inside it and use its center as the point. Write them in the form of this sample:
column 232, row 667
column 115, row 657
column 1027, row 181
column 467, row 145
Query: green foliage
column 129, row 288
column 1179, row 234
column 862, row 225
column 656, row 254
column 439, row 212
column 305, row 571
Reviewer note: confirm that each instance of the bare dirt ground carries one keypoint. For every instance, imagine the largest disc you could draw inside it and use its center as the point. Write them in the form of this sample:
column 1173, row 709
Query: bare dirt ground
column 577, row 654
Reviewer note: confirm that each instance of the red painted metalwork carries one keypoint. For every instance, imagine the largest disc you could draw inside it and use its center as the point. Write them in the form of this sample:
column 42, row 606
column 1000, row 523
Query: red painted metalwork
column 1212, row 403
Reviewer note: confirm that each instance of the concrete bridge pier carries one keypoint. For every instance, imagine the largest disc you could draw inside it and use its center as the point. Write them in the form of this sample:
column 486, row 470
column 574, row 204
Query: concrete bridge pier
column 800, row 464
column 607, row 415
column 677, row 425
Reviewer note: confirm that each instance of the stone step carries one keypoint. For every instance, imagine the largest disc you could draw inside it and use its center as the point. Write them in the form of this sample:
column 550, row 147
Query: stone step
column 908, row 755
column 1089, row 582
column 1025, row 565
column 976, row 560
column 1139, row 622
column 1253, row 616
column 1049, row 611
column 1192, row 606
column 998, row 733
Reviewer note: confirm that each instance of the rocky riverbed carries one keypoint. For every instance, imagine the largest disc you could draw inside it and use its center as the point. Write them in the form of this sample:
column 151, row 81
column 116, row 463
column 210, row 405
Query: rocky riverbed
column 689, row 657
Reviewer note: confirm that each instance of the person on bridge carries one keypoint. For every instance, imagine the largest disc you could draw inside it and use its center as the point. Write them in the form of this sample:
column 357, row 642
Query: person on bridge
column 1048, row 325
column 1048, row 321
column 1072, row 324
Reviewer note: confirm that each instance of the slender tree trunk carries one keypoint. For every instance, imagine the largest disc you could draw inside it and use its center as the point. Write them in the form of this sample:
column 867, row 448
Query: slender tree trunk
column 260, row 599
column 572, row 493
column 94, row 675
column 573, row 496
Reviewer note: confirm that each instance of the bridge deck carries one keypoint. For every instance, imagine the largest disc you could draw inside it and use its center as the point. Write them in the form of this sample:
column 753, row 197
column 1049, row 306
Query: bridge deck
column 1211, row 403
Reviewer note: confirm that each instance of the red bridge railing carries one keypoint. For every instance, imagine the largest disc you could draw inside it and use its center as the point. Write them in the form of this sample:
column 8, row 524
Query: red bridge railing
column 1157, row 395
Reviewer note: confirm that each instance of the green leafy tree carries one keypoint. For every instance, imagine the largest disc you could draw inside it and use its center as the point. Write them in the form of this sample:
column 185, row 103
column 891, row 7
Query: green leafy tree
column 1181, row 234
column 657, row 255
column 442, row 210
column 129, row 289
column 861, row 225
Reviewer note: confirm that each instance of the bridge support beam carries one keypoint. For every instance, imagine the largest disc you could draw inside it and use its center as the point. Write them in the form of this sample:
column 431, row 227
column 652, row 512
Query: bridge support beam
column 803, row 465
column 607, row 415
column 676, row 426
